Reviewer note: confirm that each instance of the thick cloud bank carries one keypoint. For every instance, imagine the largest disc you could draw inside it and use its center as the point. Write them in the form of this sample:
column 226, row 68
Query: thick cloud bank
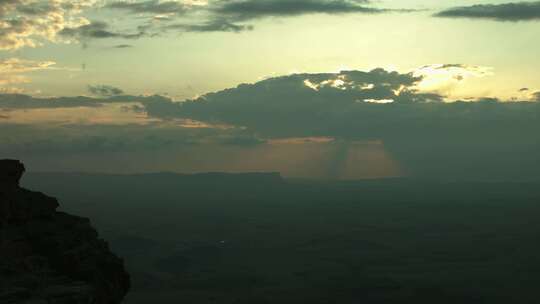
column 302, row 104
column 429, row 137
column 335, row 117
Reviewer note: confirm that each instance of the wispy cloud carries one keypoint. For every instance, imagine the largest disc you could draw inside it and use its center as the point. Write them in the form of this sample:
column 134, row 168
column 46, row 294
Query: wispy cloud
column 253, row 9
column 230, row 16
column 30, row 23
column 517, row 11
column 104, row 90
column 151, row 7
column 15, row 71
column 210, row 26
column 96, row 30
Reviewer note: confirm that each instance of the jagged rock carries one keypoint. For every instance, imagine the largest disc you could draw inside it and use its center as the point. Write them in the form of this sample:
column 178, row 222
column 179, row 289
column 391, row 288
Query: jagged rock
column 48, row 256
column 11, row 172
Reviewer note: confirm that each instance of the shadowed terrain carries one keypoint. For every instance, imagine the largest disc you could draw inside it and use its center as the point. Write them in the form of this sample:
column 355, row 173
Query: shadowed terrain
column 48, row 256
column 256, row 238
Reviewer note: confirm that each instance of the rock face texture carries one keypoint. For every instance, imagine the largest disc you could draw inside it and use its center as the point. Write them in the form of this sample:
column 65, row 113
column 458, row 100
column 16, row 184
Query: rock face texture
column 51, row 257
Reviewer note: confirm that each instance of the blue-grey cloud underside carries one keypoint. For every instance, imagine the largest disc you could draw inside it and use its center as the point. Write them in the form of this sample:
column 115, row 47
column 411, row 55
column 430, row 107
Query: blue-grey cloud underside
column 252, row 9
column 108, row 95
column 519, row 11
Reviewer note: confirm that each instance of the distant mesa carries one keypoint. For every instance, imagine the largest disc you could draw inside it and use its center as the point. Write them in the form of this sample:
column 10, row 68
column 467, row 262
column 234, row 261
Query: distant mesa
column 47, row 256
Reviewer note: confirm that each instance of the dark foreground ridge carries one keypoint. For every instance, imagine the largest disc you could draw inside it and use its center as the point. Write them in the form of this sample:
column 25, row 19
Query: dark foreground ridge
column 48, row 256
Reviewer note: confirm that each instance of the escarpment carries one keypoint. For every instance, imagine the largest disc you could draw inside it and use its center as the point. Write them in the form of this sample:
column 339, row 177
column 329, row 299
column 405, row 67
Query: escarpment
column 52, row 257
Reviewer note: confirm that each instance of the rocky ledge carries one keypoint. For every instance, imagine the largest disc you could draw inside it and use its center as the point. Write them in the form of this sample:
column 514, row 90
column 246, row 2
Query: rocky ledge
column 51, row 257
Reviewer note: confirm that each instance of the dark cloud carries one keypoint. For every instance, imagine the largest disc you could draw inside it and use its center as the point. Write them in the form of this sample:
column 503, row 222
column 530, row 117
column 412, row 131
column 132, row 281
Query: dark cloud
column 211, row 26
column 518, row 11
column 486, row 138
column 482, row 139
column 151, row 6
column 20, row 101
column 536, row 96
column 123, row 46
column 226, row 16
column 148, row 99
column 524, row 90
column 253, row 9
column 97, row 30
column 168, row 10
column 104, row 90
column 300, row 102
column 250, row 9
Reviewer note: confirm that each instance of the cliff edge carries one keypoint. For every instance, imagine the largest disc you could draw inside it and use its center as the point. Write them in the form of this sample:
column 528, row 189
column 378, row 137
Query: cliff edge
column 51, row 257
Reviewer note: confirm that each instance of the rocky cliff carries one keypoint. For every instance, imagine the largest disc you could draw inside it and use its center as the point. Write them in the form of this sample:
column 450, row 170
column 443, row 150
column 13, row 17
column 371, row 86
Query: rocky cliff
column 51, row 257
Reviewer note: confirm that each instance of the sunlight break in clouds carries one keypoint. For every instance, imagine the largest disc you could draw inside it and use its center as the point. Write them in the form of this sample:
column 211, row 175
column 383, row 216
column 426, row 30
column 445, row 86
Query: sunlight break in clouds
column 440, row 79
column 381, row 101
column 444, row 78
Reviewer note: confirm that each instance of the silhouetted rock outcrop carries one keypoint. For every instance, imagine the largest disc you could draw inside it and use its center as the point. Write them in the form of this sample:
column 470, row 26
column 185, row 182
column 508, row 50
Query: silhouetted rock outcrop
column 48, row 256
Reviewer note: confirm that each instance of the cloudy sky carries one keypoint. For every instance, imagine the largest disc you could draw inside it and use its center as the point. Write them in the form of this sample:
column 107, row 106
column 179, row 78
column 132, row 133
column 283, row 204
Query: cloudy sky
column 347, row 88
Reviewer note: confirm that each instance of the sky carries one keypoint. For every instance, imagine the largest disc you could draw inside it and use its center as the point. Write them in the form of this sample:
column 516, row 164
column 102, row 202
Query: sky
column 344, row 88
